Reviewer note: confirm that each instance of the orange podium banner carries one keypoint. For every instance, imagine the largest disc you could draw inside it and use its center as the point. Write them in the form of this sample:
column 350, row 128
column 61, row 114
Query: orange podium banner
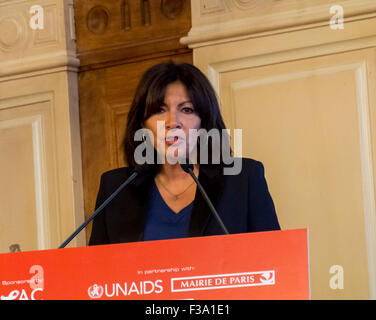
column 261, row 265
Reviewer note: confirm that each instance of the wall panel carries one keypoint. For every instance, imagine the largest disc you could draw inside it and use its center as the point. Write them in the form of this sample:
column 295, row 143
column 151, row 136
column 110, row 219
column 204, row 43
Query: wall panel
column 304, row 95
column 40, row 151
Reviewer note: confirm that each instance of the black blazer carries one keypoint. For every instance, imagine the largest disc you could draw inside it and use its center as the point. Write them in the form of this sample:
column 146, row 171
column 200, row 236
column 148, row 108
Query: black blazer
column 242, row 201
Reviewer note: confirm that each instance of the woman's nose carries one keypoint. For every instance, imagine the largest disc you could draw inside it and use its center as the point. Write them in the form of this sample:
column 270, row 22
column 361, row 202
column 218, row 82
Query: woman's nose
column 173, row 120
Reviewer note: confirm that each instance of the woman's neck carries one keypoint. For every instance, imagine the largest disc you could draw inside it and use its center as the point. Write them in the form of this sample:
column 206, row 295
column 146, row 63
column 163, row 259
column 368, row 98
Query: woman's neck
column 173, row 172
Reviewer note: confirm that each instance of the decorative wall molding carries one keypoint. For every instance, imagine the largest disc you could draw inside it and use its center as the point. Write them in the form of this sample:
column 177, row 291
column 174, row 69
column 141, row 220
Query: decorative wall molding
column 252, row 4
column 367, row 171
column 216, row 21
column 16, row 32
column 97, row 19
column 308, row 48
column 114, row 31
column 23, row 49
column 49, row 35
column 211, row 7
column 172, row 8
column 125, row 15
column 44, row 63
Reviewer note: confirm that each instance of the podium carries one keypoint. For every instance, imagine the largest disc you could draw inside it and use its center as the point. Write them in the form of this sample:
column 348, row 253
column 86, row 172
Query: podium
column 261, row 265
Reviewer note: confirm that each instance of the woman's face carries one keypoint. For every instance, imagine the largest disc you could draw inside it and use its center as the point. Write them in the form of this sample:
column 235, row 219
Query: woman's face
column 171, row 124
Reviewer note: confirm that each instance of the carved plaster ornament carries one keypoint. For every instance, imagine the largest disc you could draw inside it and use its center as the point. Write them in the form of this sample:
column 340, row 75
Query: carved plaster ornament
column 97, row 19
column 172, row 8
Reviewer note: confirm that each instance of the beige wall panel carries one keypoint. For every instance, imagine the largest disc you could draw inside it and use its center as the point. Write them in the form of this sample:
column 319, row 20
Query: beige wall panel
column 28, row 198
column 305, row 96
column 39, row 126
column 17, row 194
column 309, row 122
column 40, row 119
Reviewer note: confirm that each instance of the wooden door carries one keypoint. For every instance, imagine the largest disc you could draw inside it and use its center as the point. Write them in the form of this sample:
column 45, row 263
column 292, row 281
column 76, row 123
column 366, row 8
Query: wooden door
column 118, row 40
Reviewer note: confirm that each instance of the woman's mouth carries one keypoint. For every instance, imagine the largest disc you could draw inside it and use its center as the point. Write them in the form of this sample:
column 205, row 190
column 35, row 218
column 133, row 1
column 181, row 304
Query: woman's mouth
column 172, row 140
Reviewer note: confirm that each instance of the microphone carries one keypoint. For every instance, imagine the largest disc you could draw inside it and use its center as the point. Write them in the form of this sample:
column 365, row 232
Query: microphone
column 188, row 167
column 139, row 170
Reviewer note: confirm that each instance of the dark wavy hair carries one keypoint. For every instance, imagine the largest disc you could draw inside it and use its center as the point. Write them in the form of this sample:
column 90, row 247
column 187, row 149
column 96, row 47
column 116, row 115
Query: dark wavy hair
column 150, row 95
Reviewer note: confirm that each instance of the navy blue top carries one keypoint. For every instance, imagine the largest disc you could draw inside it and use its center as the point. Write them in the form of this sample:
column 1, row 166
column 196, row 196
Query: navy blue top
column 162, row 222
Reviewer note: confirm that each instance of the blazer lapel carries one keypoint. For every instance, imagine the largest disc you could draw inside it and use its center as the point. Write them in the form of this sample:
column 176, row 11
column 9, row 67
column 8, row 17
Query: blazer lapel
column 137, row 206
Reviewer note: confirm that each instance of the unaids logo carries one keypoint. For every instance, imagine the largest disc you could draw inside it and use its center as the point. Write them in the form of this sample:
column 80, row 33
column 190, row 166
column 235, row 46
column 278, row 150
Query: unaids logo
column 95, row 291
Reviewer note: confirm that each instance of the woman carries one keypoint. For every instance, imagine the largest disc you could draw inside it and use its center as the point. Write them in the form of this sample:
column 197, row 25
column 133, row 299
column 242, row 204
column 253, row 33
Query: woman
column 165, row 203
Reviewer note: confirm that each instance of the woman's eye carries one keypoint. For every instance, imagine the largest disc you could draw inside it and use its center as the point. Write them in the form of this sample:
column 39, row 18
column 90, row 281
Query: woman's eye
column 188, row 110
column 161, row 110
